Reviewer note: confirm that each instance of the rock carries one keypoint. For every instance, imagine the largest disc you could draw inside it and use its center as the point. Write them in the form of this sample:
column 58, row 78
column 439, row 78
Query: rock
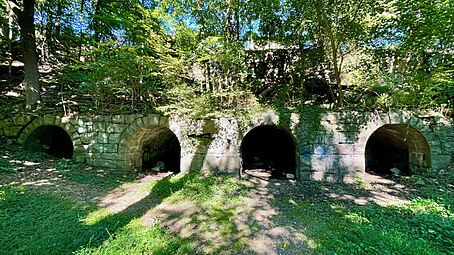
column 290, row 176
column 159, row 166
column 395, row 171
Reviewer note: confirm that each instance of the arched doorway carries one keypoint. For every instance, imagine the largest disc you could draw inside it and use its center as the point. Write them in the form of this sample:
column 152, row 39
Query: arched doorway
column 52, row 140
column 269, row 148
column 397, row 146
column 154, row 148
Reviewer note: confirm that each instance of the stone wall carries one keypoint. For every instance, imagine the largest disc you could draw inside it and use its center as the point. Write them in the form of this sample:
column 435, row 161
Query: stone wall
column 329, row 145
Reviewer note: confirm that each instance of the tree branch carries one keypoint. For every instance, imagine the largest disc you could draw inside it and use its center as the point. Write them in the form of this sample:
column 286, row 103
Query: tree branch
column 14, row 5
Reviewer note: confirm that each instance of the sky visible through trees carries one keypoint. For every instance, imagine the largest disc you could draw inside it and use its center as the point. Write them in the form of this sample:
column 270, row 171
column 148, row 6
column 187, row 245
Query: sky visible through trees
column 215, row 56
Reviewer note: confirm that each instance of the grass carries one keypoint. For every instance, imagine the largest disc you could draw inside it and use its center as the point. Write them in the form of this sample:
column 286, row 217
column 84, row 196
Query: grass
column 415, row 228
column 205, row 214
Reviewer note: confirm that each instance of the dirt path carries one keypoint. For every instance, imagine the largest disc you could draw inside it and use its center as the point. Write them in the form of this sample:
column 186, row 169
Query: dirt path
column 251, row 224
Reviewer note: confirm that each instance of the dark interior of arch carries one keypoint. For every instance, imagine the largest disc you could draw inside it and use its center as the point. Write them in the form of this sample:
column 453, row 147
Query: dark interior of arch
column 161, row 150
column 52, row 140
column 397, row 146
column 269, row 147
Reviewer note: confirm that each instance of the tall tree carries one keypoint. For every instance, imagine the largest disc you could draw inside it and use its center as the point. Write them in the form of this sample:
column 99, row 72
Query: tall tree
column 25, row 18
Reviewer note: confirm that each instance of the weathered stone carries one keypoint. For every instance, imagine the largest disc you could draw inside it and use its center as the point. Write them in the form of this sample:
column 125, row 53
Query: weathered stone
column 87, row 138
column 81, row 130
column 21, row 120
column 103, row 137
column 329, row 147
column 11, row 131
column 99, row 127
column 116, row 128
column 323, row 150
column 118, row 119
column 111, row 156
column 89, row 127
column 78, row 149
column 49, row 119
column 98, row 118
column 346, row 149
column 130, row 118
column 152, row 119
column 110, row 148
column 192, row 162
column 110, row 164
column 97, row 148
column 6, row 122
column 77, row 142
column 114, row 138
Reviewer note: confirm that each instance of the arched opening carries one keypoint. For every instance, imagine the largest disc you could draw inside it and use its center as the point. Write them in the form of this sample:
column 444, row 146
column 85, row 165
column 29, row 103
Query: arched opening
column 269, row 148
column 52, row 140
column 397, row 146
column 155, row 149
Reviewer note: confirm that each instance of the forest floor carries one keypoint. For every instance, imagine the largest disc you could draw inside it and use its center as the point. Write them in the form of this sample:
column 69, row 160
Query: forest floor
column 56, row 206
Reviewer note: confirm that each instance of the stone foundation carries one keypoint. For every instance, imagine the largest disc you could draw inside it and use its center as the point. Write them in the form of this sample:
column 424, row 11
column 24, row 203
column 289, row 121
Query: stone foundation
column 329, row 146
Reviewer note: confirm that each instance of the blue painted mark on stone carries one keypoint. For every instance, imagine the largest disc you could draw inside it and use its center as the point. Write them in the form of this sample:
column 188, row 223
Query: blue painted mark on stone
column 322, row 150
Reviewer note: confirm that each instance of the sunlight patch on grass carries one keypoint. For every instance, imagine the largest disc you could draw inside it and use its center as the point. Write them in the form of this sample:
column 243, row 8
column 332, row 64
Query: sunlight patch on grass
column 96, row 216
column 134, row 238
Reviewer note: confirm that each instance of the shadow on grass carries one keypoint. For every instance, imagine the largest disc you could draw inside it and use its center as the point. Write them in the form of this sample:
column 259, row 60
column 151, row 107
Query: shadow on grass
column 47, row 224
column 202, row 216
column 340, row 226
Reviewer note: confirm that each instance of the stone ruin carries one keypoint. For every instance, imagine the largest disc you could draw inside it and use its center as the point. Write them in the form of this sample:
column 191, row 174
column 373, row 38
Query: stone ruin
column 327, row 146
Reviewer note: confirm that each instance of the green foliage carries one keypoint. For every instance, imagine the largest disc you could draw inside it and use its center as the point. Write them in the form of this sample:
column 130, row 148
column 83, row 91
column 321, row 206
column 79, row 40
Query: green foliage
column 5, row 166
column 135, row 238
column 422, row 227
column 44, row 223
column 187, row 100
column 201, row 189
column 38, row 220
column 138, row 87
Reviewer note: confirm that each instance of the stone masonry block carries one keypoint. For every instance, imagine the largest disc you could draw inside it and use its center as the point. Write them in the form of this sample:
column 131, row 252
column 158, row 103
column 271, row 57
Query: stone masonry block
column 130, row 118
column 103, row 137
column 21, row 120
column 164, row 121
column 152, row 119
column 118, row 119
column 116, row 128
column 49, row 119
column 114, row 138
column 6, row 122
column 99, row 127
column 110, row 148
column 97, row 148
column 112, row 156
column 11, row 131
column 110, row 164
column 87, row 138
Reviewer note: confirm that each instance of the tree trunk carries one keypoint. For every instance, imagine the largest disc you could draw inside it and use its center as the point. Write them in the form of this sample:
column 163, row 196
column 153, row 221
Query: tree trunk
column 327, row 28
column 10, row 40
column 27, row 31
column 97, row 22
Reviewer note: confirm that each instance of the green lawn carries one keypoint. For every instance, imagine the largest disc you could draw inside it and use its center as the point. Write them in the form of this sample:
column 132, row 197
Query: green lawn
column 198, row 214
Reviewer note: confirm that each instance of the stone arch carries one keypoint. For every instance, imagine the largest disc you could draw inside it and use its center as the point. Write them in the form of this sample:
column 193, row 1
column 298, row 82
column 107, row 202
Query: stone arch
column 52, row 140
column 269, row 147
column 50, row 134
column 397, row 146
column 147, row 145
